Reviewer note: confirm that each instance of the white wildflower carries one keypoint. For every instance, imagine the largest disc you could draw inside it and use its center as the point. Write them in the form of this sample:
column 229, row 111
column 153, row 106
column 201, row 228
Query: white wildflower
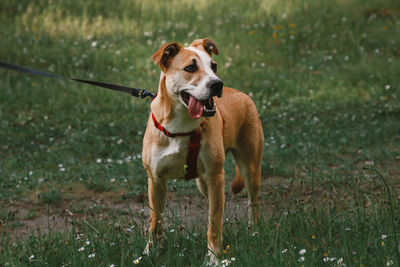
column 136, row 261
column 302, row 251
column 226, row 262
column 326, row 259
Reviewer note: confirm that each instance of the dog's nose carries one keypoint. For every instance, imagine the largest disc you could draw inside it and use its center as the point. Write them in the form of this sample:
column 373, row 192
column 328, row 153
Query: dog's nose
column 216, row 87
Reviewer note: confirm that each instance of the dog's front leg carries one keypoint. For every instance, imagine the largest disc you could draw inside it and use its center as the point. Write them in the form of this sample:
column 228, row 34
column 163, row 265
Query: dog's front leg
column 216, row 198
column 157, row 194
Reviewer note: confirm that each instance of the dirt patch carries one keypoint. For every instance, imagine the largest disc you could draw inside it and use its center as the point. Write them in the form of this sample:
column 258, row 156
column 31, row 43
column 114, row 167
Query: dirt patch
column 20, row 219
column 24, row 218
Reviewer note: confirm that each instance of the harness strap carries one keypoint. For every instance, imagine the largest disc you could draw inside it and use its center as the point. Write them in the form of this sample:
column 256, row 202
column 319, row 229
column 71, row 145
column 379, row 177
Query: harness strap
column 193, row 148
column 192, row 156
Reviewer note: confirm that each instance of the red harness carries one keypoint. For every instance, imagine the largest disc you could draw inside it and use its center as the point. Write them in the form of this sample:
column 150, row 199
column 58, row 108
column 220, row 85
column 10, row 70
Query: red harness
column 194, row 148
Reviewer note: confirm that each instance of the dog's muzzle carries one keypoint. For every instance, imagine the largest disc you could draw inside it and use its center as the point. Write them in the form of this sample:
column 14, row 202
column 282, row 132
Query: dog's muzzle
column 208, row 106
column 216, row 89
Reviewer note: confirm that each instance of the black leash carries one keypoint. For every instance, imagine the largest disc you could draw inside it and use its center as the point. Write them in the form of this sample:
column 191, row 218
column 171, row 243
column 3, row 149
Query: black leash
column 142, row 93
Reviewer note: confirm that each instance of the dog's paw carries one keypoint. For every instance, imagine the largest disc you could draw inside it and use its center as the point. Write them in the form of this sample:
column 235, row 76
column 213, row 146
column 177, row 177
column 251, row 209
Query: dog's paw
column 146, row 250
column 211, row 260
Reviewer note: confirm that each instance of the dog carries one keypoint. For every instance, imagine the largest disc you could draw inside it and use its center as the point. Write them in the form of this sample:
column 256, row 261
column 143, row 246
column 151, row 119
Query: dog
column 194, row 121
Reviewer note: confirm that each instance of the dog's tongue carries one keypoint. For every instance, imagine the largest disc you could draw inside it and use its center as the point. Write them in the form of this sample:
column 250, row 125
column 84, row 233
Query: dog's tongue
column 195, row 108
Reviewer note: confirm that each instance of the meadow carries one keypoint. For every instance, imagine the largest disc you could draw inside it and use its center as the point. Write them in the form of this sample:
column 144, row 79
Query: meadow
column 325, row 76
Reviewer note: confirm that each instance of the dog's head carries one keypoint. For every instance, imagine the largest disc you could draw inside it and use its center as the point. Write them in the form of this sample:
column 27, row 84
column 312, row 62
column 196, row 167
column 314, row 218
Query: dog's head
column 191, row 75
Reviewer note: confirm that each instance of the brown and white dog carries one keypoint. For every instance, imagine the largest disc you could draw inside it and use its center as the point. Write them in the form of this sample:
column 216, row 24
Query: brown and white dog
column 192, row 99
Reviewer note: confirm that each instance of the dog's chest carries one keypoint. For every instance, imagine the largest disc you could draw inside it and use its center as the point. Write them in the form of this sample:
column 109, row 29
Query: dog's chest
column 169, row 161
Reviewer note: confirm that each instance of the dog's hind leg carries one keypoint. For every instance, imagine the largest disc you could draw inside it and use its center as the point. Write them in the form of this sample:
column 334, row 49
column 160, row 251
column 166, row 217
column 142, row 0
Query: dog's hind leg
column 249, row 166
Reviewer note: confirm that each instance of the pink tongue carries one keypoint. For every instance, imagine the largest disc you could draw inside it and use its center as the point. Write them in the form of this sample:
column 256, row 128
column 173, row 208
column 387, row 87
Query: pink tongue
column 195, row 108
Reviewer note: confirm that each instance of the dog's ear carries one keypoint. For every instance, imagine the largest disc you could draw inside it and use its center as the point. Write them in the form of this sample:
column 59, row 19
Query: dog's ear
column 207, row 44
column 165, row 53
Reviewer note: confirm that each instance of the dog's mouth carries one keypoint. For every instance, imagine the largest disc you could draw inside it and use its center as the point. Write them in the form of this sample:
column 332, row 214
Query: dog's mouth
column 198, row 108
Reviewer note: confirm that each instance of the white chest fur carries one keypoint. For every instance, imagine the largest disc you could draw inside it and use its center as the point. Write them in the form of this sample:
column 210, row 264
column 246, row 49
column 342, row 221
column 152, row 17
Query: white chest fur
column 169, row 161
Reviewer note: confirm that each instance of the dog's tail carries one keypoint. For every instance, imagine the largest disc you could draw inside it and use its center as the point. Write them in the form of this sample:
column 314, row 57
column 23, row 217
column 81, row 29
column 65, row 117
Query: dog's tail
column 238, row 182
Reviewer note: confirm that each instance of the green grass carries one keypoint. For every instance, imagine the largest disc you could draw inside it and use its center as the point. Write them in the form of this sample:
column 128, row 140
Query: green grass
column 323, row 74
column 356, row 236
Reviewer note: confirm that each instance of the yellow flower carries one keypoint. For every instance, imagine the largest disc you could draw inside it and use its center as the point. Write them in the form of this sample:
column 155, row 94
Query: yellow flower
column 383, row 243
column 252, row 32
column 313, row 237
column 325, row 254
column 227, row 248
column 274, row 35
column 292, row 25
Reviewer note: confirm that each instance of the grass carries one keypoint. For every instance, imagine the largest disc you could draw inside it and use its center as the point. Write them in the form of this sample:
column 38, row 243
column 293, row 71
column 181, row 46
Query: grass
column 324, row 76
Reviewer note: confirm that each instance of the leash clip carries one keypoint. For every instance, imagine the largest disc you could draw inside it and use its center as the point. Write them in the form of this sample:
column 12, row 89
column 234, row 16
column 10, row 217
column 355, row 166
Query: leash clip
column 142, row 93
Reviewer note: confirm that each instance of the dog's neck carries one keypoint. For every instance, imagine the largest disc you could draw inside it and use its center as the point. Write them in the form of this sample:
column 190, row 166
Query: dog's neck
column 170, row 113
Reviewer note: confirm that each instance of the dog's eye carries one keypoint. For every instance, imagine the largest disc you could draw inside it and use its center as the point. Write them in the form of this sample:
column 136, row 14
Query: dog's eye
column 191, row 68
column 214, row 66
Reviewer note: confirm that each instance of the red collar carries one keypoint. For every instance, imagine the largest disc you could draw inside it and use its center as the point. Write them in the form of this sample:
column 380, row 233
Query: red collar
column 167, row 133
column 193, row 152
